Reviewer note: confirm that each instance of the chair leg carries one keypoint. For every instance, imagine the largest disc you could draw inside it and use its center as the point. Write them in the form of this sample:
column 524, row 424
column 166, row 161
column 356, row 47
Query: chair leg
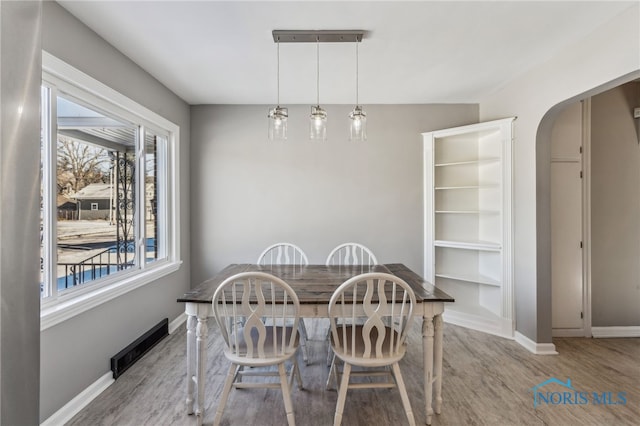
column 225, row 394
column 286, row 395
column 329, row 349
column 303, row 340
column 328, row 385
column 294, row 374
column 403, row 394
column 240, row 370
column 296, row 371
column 332, row 372
column 342, row 393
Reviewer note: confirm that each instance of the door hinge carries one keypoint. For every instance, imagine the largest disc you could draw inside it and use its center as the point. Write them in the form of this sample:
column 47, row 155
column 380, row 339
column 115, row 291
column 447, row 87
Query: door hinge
column 580, row 150
column 581, row 315
column 580, row 174
column 580, row 244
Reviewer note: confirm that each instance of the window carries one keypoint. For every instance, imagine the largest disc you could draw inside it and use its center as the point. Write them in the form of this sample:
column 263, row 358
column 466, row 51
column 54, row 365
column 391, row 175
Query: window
column 108, row 193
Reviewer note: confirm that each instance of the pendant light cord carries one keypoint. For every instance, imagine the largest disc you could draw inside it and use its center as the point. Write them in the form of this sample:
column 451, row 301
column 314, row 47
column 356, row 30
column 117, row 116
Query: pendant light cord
column 318, row 69
column 357, row 82
column 278, row 55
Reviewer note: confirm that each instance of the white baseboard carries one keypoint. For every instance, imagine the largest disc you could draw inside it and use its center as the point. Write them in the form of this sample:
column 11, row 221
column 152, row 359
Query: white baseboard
column 176, row 323
column 73, row 407
column 608, row 332
column 569, row 332
column 536, row 348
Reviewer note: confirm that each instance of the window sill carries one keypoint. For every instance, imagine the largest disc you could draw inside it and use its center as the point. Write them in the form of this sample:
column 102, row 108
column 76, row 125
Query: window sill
column 62, row 310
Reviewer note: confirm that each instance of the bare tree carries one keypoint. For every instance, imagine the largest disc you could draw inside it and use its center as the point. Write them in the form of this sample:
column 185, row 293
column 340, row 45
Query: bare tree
column 80, row 164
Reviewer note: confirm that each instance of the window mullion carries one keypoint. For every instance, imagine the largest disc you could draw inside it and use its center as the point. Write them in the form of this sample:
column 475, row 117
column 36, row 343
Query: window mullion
column 140, row 224
column 49, row 207
column 162, row 181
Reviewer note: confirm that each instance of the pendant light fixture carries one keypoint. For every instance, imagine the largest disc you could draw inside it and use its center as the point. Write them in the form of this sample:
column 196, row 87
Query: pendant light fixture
column 358, row 125
column 318, row 118
column 278, row 115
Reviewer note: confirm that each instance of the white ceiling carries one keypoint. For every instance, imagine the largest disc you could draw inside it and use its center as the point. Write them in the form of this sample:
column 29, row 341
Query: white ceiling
column 217, row 52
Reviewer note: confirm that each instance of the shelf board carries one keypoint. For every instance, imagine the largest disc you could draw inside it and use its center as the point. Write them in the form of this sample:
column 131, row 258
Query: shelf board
column 476, row 279
column 467, row 211
column 469, row 245
column 492, row 186
column 470, row 162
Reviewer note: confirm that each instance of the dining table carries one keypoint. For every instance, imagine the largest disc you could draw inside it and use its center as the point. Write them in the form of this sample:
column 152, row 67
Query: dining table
column 314, row 286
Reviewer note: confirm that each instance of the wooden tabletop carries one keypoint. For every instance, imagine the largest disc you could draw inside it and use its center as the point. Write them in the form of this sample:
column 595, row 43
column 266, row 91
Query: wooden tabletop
column 316, row 283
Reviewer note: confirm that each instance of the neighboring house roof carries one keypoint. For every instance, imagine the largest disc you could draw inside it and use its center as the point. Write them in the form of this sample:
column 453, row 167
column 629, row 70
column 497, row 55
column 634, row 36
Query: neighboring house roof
column 64, row 201
column 94, row 191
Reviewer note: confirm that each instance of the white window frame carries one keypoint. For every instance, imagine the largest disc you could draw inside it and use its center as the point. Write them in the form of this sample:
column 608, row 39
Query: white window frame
column 94, row 206
column 61, row 76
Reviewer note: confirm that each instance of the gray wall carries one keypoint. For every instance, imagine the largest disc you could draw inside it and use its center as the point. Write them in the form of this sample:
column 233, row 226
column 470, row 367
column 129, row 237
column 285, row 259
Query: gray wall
column 615, row 208
column 76, row 352
column 248, row 193
column 20, row 78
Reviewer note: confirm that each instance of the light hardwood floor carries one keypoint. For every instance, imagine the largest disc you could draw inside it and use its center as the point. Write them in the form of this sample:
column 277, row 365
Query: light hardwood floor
column 487, row 381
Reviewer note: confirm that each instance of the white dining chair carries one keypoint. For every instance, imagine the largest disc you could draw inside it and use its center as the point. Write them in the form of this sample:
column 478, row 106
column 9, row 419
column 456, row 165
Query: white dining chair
column 370, row 316
column 348, row 254
column 351, row 254
column 241, row 304
column 288, row 254
column 283, row 254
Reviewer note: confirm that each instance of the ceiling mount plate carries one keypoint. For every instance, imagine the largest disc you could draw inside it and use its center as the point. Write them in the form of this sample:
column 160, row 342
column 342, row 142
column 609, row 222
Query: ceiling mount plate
column 322, row 36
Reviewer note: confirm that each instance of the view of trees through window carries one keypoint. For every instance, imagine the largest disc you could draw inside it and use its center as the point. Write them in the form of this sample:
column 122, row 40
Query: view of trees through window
column 99, row 203
column 80, row 165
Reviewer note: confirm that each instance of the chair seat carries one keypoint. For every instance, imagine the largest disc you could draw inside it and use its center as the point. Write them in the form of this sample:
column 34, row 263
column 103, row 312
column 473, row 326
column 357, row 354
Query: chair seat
column 269, row 349
column 355, row 356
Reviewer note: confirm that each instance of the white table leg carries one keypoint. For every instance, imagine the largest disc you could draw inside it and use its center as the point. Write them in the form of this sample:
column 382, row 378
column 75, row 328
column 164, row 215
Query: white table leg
column 201, row 362
column 437, row 367
column 191, row 360
column 427, row 342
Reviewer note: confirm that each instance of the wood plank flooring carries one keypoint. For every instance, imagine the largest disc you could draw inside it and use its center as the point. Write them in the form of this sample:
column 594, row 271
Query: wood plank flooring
column 487, row 381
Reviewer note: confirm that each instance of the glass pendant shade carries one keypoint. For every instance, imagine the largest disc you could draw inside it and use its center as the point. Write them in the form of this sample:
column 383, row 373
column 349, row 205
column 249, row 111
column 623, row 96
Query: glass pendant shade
column 278, row 115
column 358, row 127
column 358, row 124
column 278, row 123
column 318, row 117
column 318, row 123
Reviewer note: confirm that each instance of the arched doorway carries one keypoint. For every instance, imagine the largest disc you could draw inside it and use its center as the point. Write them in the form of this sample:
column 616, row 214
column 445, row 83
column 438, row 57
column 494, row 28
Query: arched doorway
column 543, row 201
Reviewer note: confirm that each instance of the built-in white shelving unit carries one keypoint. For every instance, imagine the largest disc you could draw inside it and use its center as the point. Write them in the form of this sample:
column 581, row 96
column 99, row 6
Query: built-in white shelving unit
column 468, row 223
